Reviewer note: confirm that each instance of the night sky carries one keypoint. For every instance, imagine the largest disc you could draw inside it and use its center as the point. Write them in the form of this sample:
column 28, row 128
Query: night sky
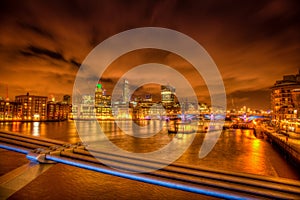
column 253, row 43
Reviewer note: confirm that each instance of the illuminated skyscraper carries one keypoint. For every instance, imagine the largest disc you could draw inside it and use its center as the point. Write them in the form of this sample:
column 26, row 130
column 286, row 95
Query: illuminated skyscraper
column 126, row 91
column 167, row 94
column 98, row 94
column 102, row 102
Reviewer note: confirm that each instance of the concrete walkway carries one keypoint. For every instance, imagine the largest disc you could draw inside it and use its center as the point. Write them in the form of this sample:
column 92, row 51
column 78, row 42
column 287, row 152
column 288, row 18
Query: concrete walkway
column 294, row 143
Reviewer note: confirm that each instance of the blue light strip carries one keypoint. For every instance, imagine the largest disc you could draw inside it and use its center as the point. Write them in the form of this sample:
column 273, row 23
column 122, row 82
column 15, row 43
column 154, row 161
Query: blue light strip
column 19, row 150
column 32, row 158
column 146, row 180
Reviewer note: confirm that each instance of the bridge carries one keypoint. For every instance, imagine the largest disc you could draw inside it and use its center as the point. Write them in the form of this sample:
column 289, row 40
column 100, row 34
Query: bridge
column 45, row 153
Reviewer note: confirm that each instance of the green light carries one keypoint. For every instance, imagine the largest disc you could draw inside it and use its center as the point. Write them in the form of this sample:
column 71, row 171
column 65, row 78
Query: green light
column 99, row 85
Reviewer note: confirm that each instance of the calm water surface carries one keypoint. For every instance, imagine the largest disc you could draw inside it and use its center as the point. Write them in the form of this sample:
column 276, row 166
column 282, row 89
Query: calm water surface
column 236, row 150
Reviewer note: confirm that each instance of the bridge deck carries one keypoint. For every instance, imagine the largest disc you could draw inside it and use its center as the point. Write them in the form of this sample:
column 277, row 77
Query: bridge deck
column 195, row 179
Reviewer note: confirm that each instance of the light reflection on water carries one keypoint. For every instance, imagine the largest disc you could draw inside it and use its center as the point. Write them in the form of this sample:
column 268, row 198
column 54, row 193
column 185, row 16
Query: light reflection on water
column 36, row 129
column 236, row 150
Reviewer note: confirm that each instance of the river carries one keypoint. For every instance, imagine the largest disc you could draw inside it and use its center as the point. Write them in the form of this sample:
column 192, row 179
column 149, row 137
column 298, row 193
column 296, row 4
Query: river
column 236, row 150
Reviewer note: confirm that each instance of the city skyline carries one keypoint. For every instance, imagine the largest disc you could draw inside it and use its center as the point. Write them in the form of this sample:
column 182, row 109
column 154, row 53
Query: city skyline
column 164, row 97
column 253, row 45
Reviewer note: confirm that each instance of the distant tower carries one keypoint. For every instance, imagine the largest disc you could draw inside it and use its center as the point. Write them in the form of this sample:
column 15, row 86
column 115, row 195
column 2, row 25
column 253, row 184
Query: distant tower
column 233, row 104
column 98, row 94
column 7, row 98
column 126, row 91
column 52, row 97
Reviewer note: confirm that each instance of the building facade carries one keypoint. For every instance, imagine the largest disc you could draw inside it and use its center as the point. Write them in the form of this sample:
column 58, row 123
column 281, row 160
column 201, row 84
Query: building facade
column 58, row 111
column 126, row 92
column 285, row 98
column 10, row 110
column 167, row 95
column 33, row 107
column 102, row 103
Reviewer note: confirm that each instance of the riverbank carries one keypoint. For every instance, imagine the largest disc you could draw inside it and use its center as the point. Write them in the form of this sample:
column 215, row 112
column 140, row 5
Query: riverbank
column 21, row 120
column 288, row 146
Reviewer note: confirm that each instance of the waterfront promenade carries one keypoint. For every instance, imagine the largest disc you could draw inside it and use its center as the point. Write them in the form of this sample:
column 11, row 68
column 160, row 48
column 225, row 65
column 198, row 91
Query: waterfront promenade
column 290, row 146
